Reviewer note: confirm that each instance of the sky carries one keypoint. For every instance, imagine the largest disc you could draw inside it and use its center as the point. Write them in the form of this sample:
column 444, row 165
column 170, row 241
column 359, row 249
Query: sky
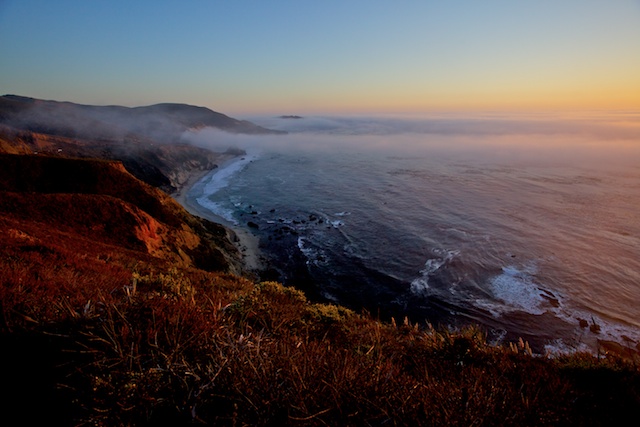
column 326, row 57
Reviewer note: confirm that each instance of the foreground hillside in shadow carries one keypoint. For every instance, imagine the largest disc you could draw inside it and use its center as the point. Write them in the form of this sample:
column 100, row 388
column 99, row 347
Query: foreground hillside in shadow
column 117, row 307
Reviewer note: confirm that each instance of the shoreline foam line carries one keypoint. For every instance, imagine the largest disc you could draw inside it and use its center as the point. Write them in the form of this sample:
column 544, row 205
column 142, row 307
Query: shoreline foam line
column 213, row 180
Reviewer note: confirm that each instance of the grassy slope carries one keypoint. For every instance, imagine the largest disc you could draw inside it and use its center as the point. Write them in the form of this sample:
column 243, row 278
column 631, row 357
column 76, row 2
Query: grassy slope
column 104, row 201
column 98, row 329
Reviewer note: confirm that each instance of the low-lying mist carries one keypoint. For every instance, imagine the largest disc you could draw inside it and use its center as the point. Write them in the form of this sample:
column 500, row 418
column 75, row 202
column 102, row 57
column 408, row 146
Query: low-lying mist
column 603, row 140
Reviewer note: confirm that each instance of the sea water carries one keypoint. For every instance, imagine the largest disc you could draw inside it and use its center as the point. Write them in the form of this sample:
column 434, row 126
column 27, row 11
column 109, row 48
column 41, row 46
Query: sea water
column 528, row 228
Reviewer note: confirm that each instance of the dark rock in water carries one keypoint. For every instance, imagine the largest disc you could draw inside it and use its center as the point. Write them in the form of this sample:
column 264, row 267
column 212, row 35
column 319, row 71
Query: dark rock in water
column 290, row 117
column 252, row 224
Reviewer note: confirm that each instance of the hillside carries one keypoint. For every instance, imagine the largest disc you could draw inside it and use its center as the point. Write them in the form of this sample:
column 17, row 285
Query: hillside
column 99, row 201
column 163, row 123
column 147, row 140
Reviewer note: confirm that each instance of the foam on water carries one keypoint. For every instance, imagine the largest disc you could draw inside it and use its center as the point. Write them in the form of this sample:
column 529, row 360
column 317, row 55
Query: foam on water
column 516, row 289
column 313, row 256
column 308, row 253
column 218, row 179
column 420, row 285
column 606, row 330
column 560, row 347
column 217, row 209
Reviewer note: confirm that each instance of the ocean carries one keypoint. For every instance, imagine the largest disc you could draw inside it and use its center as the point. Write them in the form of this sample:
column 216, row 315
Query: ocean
column 528, row 226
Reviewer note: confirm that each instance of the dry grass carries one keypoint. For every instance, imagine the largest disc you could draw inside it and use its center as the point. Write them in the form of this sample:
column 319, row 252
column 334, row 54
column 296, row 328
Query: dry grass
column 157, row 345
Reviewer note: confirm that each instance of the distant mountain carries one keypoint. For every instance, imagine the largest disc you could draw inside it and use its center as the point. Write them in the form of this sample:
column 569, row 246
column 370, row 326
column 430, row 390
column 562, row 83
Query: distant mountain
column 147, row 140
column 161, row 122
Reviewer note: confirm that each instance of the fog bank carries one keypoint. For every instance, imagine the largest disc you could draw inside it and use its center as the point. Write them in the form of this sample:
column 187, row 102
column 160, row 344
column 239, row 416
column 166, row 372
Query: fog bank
column 595, row 140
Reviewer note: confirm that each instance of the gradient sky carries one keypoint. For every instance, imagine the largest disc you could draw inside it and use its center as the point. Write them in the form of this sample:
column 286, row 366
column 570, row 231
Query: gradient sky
column 349, row 56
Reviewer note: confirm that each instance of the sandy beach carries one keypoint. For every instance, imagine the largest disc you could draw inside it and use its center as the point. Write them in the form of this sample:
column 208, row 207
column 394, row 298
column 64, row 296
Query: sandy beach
column 246, row 242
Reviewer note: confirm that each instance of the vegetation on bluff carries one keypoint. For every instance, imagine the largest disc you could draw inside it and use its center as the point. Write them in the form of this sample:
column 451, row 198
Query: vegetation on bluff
column 108, row 340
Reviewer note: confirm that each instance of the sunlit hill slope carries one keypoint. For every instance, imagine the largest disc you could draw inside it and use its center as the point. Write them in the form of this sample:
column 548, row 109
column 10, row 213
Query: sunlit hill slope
column 99, row 201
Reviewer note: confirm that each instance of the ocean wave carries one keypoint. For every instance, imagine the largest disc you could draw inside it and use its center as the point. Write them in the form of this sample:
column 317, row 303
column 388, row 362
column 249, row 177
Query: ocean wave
column 217, row 209
column 560, row 347
column 420, row 285
column 215, row 181
column 590, row 328
column 313, row 256
column 220, row 177
column 515, row 289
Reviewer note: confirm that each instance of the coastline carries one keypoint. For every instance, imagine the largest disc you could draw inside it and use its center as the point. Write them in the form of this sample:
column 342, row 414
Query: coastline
column 246, row 242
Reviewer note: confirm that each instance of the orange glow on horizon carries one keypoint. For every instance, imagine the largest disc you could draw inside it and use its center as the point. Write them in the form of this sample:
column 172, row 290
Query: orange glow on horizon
column 452, row 104
column 355, row 100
